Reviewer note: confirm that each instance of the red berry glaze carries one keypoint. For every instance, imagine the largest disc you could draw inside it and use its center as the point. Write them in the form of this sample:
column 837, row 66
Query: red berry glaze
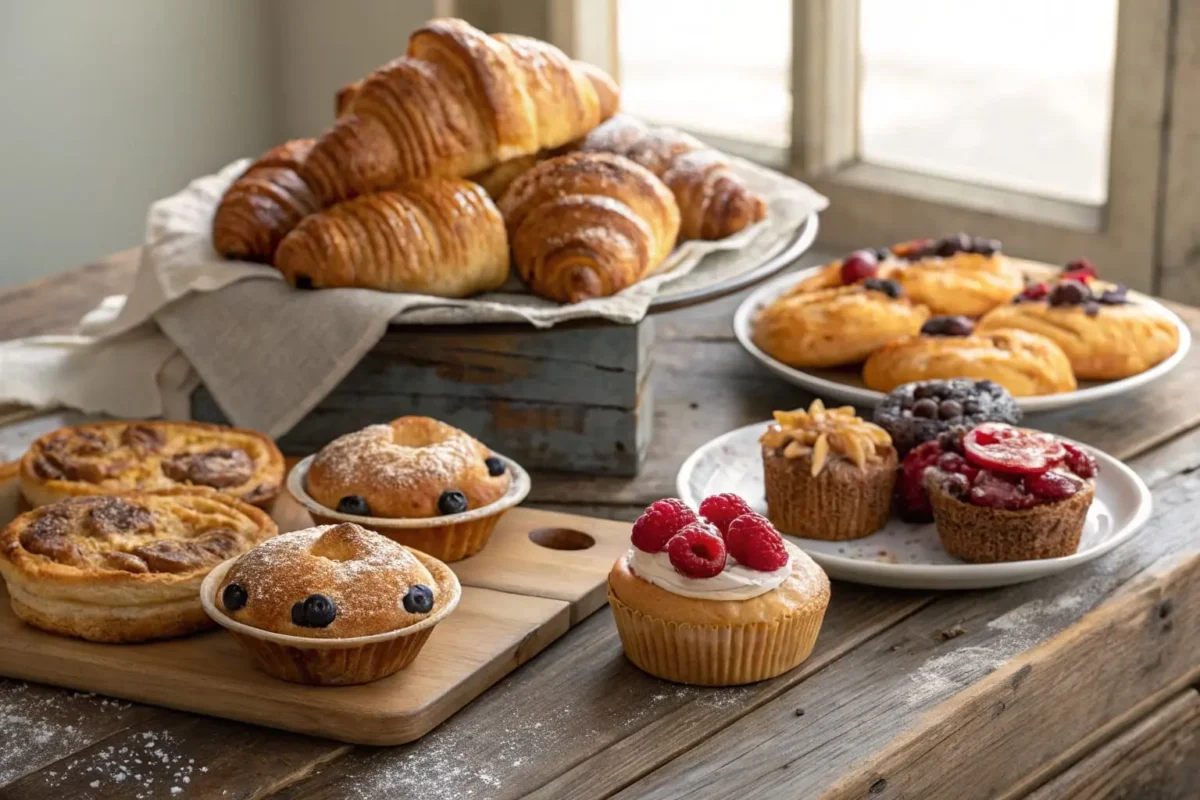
column 1081, row 269
column 722, row 509
column 1050, row 487
column 1036, row 291
column 859, row 265
column 1003, row 448
column 1080, row 462
column 753, row 541
column 994, row 491
column 911, row 496
column 695, row 552
column 659, row 522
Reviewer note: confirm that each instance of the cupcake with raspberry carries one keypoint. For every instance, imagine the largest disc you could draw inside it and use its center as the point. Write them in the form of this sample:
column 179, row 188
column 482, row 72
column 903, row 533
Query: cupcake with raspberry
column 828, row 474
column 1012, row 494
column 718, row 599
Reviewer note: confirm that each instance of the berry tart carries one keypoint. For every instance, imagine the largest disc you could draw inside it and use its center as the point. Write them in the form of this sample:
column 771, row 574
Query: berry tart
column 920, row 412
column 828, row 474
column 955, row 275
column 444, row 482
column 1026, row 364
column 331, row 605
column 837, row 326
column 718, row 599
column 1001, row 493
column 1105, row 335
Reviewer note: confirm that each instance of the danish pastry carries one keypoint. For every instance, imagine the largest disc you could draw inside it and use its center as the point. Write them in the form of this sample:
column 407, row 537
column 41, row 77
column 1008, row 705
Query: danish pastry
column 836, row 326
column 124, row 567
column 108, row 457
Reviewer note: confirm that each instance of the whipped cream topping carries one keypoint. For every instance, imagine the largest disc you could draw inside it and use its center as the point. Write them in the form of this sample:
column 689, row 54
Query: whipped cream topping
column 735, row 582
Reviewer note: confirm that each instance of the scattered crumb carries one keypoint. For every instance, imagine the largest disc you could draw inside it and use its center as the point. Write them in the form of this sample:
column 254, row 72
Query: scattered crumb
column 799, row 712
column 693, row 405
column 953, row 632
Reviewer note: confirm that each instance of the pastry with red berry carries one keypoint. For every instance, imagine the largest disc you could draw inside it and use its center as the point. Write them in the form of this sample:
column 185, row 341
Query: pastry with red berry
column 828, row 474
column 715, row 599
column 1013, row 494
column 838, row 326
column 955, row 275
column 1105, row 334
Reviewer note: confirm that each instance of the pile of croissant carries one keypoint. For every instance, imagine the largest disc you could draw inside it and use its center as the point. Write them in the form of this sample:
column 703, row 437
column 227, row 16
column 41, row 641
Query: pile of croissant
column 472, row 146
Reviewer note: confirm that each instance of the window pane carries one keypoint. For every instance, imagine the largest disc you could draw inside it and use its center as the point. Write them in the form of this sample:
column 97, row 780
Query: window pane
column 711, row 66
column 1015, row 94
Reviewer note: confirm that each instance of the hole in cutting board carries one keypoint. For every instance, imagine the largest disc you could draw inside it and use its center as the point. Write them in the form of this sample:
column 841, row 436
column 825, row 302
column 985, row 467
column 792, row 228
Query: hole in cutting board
column 561, row 538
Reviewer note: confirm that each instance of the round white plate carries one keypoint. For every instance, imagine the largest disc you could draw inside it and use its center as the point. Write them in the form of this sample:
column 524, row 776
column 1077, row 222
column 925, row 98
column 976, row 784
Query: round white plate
column 907, row 556
column 845, row 385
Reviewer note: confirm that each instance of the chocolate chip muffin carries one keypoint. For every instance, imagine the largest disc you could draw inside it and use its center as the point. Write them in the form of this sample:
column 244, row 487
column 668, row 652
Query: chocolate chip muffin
column 918, row 412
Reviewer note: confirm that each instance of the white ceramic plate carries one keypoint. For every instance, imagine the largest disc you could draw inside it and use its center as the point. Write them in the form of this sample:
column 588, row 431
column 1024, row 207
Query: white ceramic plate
column 908, row 556
column 845, row 385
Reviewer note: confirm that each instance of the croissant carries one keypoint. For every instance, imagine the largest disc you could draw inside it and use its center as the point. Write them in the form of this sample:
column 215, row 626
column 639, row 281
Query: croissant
column 438, row 236
column 460, row 102
column 345, row 98
column 498, row 178
column 714, row 202
column 587, row 225
column 261, row 206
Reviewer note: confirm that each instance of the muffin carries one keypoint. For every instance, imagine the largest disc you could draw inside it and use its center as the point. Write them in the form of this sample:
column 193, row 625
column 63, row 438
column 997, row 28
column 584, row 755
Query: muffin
column 334, row 604
column 919, row 412
column 1014, row 495
column 715, row 606
column 828, row 474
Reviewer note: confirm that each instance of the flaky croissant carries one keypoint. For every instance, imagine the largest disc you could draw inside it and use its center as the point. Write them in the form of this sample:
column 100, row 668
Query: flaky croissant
column 260, row 207
column 497, row 179
column 714, row 202
column 438, row 236
column 587, row 225
column 460, row 102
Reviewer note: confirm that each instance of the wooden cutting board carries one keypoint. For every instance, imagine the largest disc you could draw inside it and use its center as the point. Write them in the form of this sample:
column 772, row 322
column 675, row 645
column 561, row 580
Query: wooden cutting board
column 520, row 593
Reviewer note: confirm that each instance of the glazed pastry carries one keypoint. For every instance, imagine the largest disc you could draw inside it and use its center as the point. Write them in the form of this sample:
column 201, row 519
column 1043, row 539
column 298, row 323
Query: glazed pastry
column 956, row 275
column 828, row 474
column 1025, row 364
column 587, row 225
column 713, row 605
column 264, row 204
column 330, row 584
column 124, row 567
column 461, row 101
column 440, row 236
column 1104, row 335
column 109, row 457
column 714, row 202
column 833, row 327
column 1014, row 495
column 920, row 412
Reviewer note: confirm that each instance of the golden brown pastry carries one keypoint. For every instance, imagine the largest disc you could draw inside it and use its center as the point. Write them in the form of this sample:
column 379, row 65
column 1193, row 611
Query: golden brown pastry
column 344, row 99
column 461, row 101
column 833, row 327
column 588, row 225
column 714, row 202
column 124, row 567
column 495, row 181
column 109, row 457
column 438, row 236
column 1024, row 363
column 261, row 206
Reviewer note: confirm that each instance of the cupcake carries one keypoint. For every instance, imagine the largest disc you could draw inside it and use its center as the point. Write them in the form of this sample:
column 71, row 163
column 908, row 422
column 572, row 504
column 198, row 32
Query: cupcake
column 715, row 602
column 918, row 412
column 1012, row 495
column 828, row 474
column 334, row 604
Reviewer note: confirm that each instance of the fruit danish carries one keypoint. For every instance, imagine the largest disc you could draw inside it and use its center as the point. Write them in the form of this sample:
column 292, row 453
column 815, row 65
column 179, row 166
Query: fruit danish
column 108, row 457
column 124, row 567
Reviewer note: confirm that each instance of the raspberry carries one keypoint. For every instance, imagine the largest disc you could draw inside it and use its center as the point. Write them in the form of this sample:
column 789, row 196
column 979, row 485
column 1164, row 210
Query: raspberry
column 695, row 552
column 1081, row 269
column 1080, row 462
column 722, row 509
column 753, row 541
column 1050, row 487
column 911, row 496
column 658, row 523
column 995, row 491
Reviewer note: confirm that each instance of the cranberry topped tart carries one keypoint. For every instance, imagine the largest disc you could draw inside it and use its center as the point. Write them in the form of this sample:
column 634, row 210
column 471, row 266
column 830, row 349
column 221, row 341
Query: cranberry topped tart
column 108, row 457
column 124, row 567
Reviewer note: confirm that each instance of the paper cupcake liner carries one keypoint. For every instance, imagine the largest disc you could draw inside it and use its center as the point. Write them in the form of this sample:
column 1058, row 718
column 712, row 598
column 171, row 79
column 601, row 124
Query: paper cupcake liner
column 326, row 666
column 832, row 506
column 715, row 655
column 452, row 542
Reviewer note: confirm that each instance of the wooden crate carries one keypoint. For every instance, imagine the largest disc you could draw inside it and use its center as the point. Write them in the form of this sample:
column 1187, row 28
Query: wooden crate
column 575, row 397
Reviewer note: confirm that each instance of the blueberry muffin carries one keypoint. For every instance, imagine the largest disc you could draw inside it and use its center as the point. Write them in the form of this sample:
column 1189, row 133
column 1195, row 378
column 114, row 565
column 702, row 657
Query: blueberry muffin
column 918, row 412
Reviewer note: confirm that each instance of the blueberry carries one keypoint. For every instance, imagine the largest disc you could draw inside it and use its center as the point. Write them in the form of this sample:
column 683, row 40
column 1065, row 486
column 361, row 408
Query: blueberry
column 927, row 389
column 418, row 600
column 316, row 611
column 1091, row 308
column 354, row 504
column 452, row 501
column 1069, row 293
column 991, row 387
column 972, row 407
column 303, row 282
column 1115, row 297
column 234, row 597
column 950, row 409
column 926, row 408
column 948, row 326
column 495, row 466
column 882, row 253
column 890, row 288
column 985, row 247
column 956, row 243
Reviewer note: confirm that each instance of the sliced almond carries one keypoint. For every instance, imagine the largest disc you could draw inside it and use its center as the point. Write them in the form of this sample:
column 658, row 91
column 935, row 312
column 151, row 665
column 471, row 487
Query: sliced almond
column 854, row 450
column 820, row 452
column 817, row 407
column 794, row 450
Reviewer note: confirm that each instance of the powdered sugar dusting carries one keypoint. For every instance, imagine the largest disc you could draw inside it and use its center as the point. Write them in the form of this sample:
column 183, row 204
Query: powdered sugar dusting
column 143, row 765
column 372, row 456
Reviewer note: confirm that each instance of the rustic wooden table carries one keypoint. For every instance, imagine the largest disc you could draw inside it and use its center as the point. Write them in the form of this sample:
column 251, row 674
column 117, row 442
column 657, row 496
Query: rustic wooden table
column 1081, row 685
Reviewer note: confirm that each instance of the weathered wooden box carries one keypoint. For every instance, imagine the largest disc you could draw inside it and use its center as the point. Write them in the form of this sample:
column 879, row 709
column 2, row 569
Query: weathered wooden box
column 575, row 397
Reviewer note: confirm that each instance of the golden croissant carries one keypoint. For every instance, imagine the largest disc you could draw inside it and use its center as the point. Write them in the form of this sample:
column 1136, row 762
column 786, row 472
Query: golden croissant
column 714, row 202
column 587, row 225
column 438, row 236
column 264, row 204
column 459, row 102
